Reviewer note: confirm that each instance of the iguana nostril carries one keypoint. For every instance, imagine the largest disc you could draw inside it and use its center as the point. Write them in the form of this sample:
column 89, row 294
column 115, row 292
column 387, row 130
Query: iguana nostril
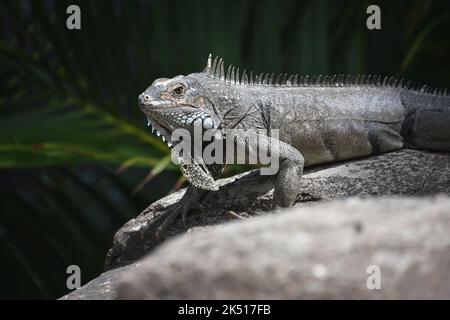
column 143, row 98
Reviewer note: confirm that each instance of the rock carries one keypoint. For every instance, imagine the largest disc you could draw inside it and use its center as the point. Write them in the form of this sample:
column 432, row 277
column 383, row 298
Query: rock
column 324, row 257
column 405, row 172
column 104, row 287
column 324, row 252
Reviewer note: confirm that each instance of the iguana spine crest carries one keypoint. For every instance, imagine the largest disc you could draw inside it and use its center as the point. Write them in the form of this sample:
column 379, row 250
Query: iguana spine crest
column 215, row 69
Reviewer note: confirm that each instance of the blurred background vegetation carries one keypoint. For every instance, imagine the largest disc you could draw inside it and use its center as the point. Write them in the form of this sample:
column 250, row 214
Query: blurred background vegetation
column 75, row 152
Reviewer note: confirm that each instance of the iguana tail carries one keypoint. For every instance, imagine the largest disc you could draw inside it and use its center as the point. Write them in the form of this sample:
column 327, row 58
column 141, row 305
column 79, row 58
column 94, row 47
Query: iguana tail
column 427, row 121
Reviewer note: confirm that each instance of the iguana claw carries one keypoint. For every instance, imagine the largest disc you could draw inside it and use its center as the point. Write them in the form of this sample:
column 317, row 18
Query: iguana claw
column 183, row 207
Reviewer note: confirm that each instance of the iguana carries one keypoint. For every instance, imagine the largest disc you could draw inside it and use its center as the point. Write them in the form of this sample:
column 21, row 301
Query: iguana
column 320, row 119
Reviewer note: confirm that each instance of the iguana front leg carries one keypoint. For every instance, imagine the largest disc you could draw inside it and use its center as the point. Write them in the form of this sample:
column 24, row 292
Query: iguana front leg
column 287, row 181
column 198, row 174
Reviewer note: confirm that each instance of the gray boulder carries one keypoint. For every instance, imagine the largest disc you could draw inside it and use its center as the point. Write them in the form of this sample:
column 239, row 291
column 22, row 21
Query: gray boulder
column 405, row 172
column 352, row 249
column 248, row 195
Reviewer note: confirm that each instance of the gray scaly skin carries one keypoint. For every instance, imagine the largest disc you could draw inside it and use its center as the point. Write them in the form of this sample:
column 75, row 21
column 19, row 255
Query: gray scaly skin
column 320, row 119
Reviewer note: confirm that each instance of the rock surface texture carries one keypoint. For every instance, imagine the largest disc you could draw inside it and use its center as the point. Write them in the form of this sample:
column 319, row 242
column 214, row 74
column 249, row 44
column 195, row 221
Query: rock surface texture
column 318, row 249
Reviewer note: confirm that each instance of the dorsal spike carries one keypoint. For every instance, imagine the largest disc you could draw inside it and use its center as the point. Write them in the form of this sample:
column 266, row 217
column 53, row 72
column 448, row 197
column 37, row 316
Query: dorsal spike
column 217, row 72
column 390, row 81
column 289, row 80
column 374, row 80
column 272, row 75
column 365, row 78
column 319, row 80
column 395, row 83
column 333, row 80
column 214, row 66
column 379, row 80
column 408, row 84
column 228, row 76
column 220, row 72
column 260, row 78
column 237, row 76
column 295, row 81
column 277, row 80
column 208, row 64
column 347, row 79
column 284, row 79
column 251, row 80
column 306, row 80
column 232, row 74
column 337, row 80
column 401, row 83
column 423, row 88
column 266, row 78
column 244, row 79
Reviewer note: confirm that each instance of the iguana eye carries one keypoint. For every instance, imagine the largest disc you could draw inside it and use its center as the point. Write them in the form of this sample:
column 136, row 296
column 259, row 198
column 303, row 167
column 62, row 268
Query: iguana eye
column 178, row 90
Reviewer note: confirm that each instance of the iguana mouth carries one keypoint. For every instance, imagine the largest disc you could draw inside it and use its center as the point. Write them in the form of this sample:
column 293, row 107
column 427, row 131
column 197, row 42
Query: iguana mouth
column 161, row 131
column 165, row 120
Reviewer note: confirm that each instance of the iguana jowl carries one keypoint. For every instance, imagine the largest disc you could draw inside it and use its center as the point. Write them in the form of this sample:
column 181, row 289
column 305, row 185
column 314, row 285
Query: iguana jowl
column 320, row 119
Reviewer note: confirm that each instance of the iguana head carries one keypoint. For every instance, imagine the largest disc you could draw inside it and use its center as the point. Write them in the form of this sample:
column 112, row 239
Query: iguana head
column 175, row 103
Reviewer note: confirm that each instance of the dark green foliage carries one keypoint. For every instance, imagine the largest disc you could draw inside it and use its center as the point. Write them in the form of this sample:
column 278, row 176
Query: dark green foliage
column 69, row 115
